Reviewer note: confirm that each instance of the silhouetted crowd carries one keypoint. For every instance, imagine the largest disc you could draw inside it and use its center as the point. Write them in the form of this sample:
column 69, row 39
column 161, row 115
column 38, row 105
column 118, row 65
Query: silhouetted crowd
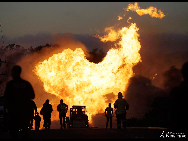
column 22, row 110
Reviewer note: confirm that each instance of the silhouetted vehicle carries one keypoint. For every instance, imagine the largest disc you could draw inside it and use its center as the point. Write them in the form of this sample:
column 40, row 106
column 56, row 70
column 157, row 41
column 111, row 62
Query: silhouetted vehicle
column 78, row 117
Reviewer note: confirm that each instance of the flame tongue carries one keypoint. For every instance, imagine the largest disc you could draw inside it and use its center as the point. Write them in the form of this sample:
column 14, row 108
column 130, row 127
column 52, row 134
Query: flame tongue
column 152, row 11
column 69, row 75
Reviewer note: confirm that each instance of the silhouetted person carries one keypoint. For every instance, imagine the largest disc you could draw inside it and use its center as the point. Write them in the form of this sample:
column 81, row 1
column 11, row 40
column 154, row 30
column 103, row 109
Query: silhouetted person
column 46, row 112
column 33, row 109
column 37, row 119
column 62, row 109
column 18, row 94
column 121, row 106
column 179, row 103
column 108, row 114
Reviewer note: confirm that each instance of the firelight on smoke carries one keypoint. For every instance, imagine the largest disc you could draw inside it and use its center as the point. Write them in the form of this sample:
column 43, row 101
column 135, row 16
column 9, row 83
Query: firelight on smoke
column 70, row 76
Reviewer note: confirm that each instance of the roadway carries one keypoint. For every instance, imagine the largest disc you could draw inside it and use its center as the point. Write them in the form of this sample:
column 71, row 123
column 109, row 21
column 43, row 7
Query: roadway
column 95, row 133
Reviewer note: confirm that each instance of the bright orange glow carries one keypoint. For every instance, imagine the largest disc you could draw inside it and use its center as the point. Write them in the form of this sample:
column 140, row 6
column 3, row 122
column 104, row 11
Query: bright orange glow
column 71, row 77
column 120, row 18
column 152, row 11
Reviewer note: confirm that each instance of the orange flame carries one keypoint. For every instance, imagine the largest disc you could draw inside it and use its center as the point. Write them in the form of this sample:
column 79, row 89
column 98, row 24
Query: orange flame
column 152, row 11
column 120, row 18
column 69, row 75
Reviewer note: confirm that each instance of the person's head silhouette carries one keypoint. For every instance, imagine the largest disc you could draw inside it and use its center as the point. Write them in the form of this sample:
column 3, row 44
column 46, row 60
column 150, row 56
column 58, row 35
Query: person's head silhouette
column 109, row 105
column 47, row 101
column 16, row 71
column 61, row 101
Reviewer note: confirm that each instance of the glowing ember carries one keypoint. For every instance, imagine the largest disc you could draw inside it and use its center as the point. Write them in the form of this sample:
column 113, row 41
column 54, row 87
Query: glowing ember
column 119, row 18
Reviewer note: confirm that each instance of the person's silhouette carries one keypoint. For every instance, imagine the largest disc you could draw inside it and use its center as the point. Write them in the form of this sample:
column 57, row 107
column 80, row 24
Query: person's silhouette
column 18, row 94
column 37, row 121
column 33, row 111
column 109, row 114
column 121, row 106
column 46, row 112
column 179, row 103
column 62, row 109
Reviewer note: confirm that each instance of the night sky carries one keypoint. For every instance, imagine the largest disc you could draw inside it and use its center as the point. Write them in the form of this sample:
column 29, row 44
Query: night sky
column 19, row 19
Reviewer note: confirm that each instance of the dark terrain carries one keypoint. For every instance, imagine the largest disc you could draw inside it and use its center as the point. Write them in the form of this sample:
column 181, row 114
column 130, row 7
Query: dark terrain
column 95, row 133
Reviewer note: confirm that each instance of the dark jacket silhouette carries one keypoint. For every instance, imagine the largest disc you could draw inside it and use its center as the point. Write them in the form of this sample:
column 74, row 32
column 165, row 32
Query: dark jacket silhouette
column 121, row 106
column 46, row 112
column 179, row 104
column 18, row 94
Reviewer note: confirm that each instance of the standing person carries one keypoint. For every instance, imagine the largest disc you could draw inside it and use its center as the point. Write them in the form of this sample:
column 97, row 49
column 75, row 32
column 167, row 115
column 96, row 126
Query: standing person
column 46, row 112
column 33, row 109
column 18, row 94
column 37, row 121
column 108, row 114
column 179, row 104
column 62, row 109
column 121, row 106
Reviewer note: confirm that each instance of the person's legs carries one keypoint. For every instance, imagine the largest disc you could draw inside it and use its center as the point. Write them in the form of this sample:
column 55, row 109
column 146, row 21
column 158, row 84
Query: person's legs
column 64, row 122
column 124, row 120
column 107, row 120
column 49, row 123
column 14, row 132
column 24, row 124
column 118, row 116
column 110, row 122
column 60, row 121
column 45, row 123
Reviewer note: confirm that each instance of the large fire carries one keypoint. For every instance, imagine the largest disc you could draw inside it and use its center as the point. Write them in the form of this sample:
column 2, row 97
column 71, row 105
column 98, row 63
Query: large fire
column 70, row 76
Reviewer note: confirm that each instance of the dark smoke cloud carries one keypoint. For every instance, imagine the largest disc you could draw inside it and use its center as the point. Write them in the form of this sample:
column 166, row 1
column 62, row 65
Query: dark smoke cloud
column 159, row 52
column 172, row 78
column 140, row 95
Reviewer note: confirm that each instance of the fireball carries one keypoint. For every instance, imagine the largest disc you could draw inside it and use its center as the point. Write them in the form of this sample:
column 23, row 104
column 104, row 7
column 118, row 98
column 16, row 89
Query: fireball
column 70, row 76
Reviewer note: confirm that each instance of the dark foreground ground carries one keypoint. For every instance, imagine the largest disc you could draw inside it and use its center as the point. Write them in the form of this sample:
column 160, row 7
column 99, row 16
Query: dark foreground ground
column 95, row 133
